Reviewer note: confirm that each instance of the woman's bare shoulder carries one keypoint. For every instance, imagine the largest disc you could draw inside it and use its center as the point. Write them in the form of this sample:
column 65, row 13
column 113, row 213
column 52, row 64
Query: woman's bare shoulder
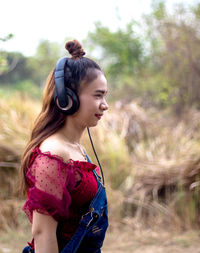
column 55, row 147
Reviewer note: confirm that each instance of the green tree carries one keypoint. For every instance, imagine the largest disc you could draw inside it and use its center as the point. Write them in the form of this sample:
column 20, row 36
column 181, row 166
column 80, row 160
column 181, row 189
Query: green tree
column 43, row 62
column 3, row 55
column 175, row 44
column 16, row 70
column 35, row 68
column 122, row 54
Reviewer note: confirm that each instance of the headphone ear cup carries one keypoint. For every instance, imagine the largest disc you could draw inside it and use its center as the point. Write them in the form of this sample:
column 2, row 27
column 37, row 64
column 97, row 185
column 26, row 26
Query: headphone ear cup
column 72, row 102
column 69, row 106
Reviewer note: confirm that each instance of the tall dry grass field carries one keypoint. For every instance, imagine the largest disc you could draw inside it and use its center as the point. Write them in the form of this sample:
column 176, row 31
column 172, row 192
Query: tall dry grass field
column 150, row 159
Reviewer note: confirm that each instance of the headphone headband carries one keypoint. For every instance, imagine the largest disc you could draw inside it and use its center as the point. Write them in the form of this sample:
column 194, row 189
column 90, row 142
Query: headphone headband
column 65, row 99
column 59, row 81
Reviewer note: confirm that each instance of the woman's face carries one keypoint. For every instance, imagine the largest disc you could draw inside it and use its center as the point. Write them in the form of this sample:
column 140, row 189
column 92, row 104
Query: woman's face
column 92, row 102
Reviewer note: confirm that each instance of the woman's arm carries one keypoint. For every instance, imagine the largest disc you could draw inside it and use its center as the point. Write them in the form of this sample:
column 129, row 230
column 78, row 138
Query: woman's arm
column 44, row 233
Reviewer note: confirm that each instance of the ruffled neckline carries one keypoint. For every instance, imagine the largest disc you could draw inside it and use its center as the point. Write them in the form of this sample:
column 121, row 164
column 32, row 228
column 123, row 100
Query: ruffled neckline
column 85, row 165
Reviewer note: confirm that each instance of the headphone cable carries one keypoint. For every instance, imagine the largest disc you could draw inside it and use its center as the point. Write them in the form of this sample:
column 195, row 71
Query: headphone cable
column 95, row 154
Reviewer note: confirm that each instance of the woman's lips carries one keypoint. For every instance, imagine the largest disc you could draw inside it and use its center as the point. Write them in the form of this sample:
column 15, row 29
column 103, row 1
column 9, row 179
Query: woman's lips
column 99, row 116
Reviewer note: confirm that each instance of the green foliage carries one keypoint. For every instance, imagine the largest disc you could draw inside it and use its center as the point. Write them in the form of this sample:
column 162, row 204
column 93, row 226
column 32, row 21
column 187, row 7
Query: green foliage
column 29, row 88
column 16, row 70
column 196, row 10
column 177, row 57
column 35, row 68
column 3, row 55
column 159, row 9
column 9, row 36
column 122, row 52
column 25, row 88
column 162, row 69
column 44, row 61
column 3, row 62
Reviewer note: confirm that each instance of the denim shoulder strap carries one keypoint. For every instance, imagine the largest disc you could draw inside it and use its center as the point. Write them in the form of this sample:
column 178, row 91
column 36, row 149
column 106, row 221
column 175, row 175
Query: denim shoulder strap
column 95, row 173
column 88, row 159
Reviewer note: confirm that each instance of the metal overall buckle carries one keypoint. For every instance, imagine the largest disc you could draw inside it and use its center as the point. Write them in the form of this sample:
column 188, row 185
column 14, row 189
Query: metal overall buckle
column 92, row 214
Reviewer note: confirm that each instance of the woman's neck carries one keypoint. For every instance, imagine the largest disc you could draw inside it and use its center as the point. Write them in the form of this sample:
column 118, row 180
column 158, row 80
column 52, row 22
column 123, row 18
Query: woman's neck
column 71, row 132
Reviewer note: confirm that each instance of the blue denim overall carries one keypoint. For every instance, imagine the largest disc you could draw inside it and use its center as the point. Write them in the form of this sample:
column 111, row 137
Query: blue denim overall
column 90, row 233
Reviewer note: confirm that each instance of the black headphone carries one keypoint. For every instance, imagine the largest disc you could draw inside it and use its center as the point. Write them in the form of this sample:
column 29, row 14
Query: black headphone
column 66, row 99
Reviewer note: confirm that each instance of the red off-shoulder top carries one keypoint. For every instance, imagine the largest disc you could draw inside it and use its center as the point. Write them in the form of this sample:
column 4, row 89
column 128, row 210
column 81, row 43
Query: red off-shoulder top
column 53, row 190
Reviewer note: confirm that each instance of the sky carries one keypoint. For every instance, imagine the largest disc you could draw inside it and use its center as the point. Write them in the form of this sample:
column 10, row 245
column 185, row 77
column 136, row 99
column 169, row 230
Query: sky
column 31, row 21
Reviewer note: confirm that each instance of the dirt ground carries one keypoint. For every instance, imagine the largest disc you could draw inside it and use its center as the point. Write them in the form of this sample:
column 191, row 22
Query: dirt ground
column 126, row 240
column 121, row 239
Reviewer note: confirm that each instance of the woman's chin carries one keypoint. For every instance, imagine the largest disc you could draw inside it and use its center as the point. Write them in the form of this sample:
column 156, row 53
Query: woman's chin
column 93, row 124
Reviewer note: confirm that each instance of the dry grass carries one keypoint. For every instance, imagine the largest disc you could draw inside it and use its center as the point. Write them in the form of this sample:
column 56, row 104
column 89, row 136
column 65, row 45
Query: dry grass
column 163, row 185
column 150, row 160
column 17, row 115
column 125, row 240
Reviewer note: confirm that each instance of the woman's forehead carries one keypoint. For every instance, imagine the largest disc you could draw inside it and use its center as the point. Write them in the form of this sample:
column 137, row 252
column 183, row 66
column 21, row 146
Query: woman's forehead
column 99, row 84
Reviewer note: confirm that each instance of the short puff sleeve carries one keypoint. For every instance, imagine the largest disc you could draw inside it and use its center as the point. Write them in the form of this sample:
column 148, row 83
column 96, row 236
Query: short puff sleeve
column 51, row 181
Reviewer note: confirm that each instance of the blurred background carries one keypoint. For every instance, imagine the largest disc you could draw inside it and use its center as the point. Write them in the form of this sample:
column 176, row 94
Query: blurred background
column 149, row 140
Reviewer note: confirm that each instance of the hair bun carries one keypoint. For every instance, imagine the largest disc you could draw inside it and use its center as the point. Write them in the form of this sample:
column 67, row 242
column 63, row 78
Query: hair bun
column 75, row 49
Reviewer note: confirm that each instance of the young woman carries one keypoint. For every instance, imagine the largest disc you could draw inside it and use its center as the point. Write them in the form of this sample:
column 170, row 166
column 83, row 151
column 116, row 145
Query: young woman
column 66, row 201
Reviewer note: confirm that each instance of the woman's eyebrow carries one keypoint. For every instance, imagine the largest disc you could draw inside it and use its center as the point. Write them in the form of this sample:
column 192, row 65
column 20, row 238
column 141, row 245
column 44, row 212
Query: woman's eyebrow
column 101, row 91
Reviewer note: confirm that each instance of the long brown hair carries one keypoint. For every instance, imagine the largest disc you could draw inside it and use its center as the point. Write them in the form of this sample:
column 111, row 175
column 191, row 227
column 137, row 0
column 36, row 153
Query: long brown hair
column 79, row 71
column 48, row 122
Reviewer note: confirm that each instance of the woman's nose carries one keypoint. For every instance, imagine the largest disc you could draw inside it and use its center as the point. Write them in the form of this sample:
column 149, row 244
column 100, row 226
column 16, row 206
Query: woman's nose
column 104, row 105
